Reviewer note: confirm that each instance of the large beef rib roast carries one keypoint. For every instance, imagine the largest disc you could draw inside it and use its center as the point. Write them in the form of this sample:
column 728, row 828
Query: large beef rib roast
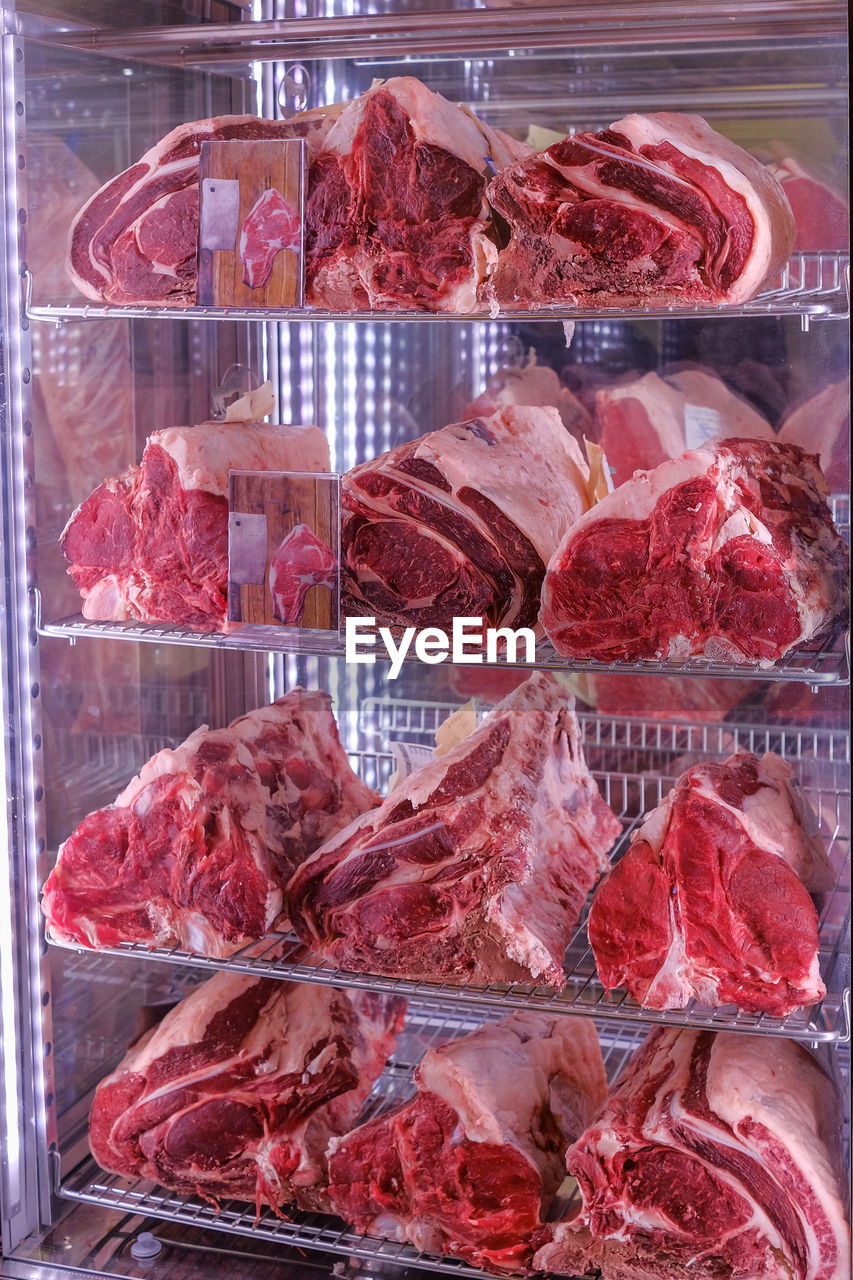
column 470, row 1165
column 711, row 899
column 728, row 551
column 656, row 210
column 197, row 849
column 237, row 1092
column 714, row 1156
column 476, row 867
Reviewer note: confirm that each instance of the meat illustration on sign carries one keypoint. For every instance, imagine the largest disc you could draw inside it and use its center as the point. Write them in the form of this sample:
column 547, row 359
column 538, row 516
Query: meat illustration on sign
column 476, row 867
column 302, row 561
column 657, row 209
column 197, row 849
column 714, row 1155
column 728, row 552
column 462, row 522
column 136, row 239
column 711, row 899
column 271, row 226
column 237, row 1092
column 470, row 1165
column 152, row 544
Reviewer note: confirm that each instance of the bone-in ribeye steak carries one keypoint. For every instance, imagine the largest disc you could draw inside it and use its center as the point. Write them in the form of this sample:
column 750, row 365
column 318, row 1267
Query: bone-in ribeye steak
column 152, row 544
column 197, row 849
column 396, row 214
column 238, row 1090
column 302, row 561
column 710, row 901
column 657, row 209
column 470, row 1165
column 728, row 551
column 136, row 239
column 476, row 867
column 714, row 1156
column 462, row 522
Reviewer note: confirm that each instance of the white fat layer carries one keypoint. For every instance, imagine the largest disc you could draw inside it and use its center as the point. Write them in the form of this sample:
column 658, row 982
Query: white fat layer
column 205, row 454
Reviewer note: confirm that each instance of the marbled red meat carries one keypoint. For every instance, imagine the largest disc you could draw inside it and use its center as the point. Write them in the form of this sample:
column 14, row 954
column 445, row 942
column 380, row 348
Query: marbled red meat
column 711, row 899
column 461, row 522
column 476, row 867
column 136, row 239
column 237, row 1092
column 657, row 209
column 728, row 551
column 152, row 544
column 714, row 1156
column 470, row 1165
column 396, row 215
column 196, row 851
column 271, row 225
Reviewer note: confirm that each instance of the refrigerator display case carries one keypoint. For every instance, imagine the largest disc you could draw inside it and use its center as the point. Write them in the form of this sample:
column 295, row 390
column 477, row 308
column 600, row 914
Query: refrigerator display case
column 85, row 703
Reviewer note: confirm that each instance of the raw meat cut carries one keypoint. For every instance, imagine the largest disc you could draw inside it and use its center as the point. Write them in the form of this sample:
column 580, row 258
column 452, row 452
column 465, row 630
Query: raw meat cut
column 396, row 214
column 462, row 522
column 823, row 424
column 710, row 901
column 644, row 421
column 728, row 551
column 714, row 1156
column 657, row 209
column 197, row 849
column 821, row 214
column 531, row 384
column 301, row 562
column 136, row 239
column 238, row 1090
column 271, row 225
column 476, row 867
column 700, row 700
column 470, row 1165
column 152, row 544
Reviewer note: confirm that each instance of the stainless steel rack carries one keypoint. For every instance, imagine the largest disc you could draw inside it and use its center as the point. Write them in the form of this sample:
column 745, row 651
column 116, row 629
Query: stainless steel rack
column 811, row 284
column 823, row 770
column 425, row 1025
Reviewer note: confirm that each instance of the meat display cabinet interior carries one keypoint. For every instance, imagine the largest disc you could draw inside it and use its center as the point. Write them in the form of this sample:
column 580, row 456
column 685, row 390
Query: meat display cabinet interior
column 467, row 192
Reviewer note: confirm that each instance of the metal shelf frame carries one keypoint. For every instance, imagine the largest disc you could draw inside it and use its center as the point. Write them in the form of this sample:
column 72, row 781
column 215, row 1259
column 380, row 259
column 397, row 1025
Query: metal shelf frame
column 813, row 284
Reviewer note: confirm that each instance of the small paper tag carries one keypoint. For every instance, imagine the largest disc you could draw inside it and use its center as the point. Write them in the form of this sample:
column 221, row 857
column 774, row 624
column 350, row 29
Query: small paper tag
column 283, row 540
column 251, row 205
column 700, row 425
column 408, row 757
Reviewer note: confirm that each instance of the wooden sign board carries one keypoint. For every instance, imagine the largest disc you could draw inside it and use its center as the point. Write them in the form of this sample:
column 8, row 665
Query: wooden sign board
column 251, row 202
column 283, row 540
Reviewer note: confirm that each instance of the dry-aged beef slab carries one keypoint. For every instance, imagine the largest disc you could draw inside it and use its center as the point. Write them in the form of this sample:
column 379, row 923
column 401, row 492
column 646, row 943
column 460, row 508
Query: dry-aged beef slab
column 643, row 421
column 396, row 213
column 476, row 867
column 710, row 901
column 470, row 1165
column 136, row 239
column 462, row 522
column 152, row 544
column 657, row 209
column 728, row 551
column 715, row 1157
column 238, row 1090
column 197, row 849
column 822, row 425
